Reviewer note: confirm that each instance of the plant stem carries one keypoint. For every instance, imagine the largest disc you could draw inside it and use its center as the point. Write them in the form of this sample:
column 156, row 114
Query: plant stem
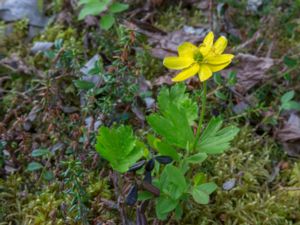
column 203, row 108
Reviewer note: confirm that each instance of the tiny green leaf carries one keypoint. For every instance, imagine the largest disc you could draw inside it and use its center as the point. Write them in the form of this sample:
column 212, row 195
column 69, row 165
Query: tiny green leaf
column 40, row 152
column 84, row 85
column 145, row 195
column 218, row 78
column 164, row 205
column 172, row 182
column 117, row 7
column 178, row 212
column 291, row 105
column 34, row 166
column 167, row 150
column 287, row 96
column 290, row 62
column 92, row 7
column 208, row 188
column 220, row 95
column 107, row 21
column 48, row 175
column 199, row 178
column 197, row 158
column 200, row 196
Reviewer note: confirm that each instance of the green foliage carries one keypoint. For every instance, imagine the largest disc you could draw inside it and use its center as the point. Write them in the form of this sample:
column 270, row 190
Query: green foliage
column 40, row 152
column 178, row 96
column 173, row 185
column 34, row 166
column 107, row 21
column 73, row 177
column 287, row 103
column 215, row 140
column 97, row 7
column 177, row 112
column 251, row 164
column 201, row 193
column 119, row 146
column 173, row 121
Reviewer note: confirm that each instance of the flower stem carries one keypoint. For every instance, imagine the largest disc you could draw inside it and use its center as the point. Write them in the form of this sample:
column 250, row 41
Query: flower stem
column 203, row 108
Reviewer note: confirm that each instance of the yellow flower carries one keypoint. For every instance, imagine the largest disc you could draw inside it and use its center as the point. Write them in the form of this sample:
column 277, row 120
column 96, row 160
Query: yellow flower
column 204, row 60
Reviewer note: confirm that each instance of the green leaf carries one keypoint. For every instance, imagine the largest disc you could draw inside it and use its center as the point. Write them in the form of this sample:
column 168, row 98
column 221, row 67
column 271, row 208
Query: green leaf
column 40, row 152
column 208, row 188
column 119, row 146
column 92, row 7
column 164, row 205
column 144, row 195
column 290, row 62
column 177, row 95
column 107, row 21
column 172, row 182
column 199, row 178
column 48, row 175
column 218, row 78
column 287, row 96
column 200, row 196
column 178, row 212
column 177, row 113
column 173, row 126
column 117, row 7
column 232, row 79
column 34, row 166
column 197, row 158
column 84, row 85
column 201, row 193
column 167, row 150
column 215, row 140
column 220, row 95
column 291, row 105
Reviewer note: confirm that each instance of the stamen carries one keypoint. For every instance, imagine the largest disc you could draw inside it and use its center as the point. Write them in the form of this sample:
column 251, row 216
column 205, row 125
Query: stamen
column 198, row 57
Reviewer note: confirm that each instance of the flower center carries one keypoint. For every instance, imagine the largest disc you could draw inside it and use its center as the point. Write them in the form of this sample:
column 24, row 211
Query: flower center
column 198, row 57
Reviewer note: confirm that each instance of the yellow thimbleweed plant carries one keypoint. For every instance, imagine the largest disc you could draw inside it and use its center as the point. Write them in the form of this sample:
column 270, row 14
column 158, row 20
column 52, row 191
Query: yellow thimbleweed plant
column 169, row 163
column 202, row 60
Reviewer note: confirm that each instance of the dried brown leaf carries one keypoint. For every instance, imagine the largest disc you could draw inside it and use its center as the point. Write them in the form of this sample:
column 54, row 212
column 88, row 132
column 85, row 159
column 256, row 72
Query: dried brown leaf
column 289, row 135
column 250, row 70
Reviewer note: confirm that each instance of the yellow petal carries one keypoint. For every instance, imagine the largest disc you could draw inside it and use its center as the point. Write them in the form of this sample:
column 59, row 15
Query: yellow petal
column 219, row 59
column 209, row 39
column 207, row 44
column 187, row 49
column 220, row 45
column 187, row 73
column 216, row 68
column 177, row 63
column 204, row 72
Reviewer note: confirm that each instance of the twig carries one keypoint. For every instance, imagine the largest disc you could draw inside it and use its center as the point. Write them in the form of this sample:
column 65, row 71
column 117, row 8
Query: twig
column 289, row 189
column 250, row 41
column 270, row 50
column 58, row 55
column 211, row 14
column 115, row 178
column 110, row 204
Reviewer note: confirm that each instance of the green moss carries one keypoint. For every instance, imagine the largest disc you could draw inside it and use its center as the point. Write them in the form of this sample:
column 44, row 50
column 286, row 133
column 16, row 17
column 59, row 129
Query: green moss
column 12, row 199
column 175, row 17
column 44, row 208
column 254, row 199
column 147, row 65
column 58, row 31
